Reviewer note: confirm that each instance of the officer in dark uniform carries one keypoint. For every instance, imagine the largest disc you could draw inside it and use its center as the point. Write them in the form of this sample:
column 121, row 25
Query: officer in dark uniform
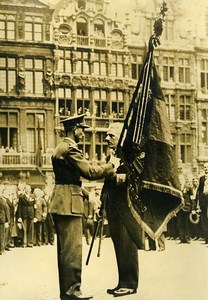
column 67, row 204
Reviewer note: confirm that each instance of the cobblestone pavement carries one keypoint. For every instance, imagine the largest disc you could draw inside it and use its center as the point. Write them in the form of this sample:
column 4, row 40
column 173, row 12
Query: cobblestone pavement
column 178, row 273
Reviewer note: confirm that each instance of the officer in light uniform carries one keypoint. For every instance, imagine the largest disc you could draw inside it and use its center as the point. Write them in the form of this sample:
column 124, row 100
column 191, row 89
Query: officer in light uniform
column 67, row 204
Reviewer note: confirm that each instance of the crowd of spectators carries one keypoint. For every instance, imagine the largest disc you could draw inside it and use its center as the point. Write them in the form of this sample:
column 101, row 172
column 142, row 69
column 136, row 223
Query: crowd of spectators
column 187, row 226
column 25, row 220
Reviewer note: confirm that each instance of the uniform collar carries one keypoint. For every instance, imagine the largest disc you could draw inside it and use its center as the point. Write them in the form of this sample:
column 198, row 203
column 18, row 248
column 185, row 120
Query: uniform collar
column 69, row 140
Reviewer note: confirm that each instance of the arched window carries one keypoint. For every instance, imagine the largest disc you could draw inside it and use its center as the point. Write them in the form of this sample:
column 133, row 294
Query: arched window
column 82, row 28
column 99, row 28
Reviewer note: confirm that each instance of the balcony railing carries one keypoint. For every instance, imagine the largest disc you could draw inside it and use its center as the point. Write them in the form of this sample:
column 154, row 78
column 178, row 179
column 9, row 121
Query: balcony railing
column 102, row 123
column 23, row 159
column 100, row 42
column 82, row 40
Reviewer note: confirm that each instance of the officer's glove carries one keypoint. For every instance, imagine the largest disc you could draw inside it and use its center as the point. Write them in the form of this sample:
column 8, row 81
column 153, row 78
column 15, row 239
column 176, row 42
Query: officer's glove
column 6, row 225
column 115, row 161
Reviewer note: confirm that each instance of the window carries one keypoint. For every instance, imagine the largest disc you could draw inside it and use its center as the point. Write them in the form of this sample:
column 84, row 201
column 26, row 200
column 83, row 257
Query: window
column 65, row 63
column 100, row 106
column 34, row 76
column 83, row 102
column 168, row 69
column 185, row 108
column 168, row 30
column 204, row 114
column 149, row 27
column 99, row 29
column 100, row 66
column 85, row 146
column 8, row 75
column 184, row 70
column 7, row 27
column 9, row 130
column 35, row 123
column 117, row 68
column 33, row 29
column 101, row 146
column 136, row 66
column 82, row 64
column 170, row 105
column 117, row 104
column 65, row 101
column 82, row 28
column 185, row 146
column 204, row 75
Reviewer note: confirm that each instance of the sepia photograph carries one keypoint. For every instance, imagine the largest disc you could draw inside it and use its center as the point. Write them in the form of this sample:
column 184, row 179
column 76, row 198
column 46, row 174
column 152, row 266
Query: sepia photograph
column 103, row 149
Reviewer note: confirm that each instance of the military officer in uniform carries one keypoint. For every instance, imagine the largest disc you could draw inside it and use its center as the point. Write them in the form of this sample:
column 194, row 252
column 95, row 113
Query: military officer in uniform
column 67, row 204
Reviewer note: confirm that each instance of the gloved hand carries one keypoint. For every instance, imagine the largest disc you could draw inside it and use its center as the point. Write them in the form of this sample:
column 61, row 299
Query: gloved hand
column 95, row 201
column 19, row 220
column 6, row 225
column 35, row 220
column 19, row 225
column 115, row 161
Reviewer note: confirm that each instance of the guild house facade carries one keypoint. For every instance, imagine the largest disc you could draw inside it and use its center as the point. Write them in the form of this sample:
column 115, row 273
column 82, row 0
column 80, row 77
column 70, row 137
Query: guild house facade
column 83, row 56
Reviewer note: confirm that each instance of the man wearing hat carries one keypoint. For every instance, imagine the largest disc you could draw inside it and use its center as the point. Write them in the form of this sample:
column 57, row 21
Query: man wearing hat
column 67, row 204
column 114, row 190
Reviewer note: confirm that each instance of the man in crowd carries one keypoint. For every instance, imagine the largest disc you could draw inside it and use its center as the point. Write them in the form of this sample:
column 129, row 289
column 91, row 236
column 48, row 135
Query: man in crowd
column 114, row 188
column 183, row 214
column 4, row 218
column 26, row 213
column 67, row 204
column 196, row 225
column 202, row 195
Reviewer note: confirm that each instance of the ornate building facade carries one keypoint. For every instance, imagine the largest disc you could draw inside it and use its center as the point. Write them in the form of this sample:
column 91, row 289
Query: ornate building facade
column 85, row 57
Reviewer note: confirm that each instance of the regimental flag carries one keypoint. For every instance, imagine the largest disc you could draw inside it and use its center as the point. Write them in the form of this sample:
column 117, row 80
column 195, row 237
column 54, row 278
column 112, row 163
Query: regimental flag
column 145, row 147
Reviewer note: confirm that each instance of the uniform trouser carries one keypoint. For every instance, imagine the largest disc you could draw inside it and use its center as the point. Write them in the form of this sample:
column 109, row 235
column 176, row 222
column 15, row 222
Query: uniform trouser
column 69, row 251
column 126, row 251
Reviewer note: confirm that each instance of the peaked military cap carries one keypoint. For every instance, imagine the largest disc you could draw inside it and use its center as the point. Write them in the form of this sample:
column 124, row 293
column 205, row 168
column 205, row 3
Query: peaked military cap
column 73, row 122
